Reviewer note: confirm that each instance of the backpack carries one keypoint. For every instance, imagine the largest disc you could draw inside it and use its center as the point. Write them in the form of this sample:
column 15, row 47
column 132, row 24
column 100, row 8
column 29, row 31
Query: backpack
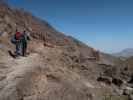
column 17, row 35
column 13, row 39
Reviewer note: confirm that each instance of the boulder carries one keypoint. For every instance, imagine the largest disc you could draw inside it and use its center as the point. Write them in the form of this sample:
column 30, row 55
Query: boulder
column 117, row 81
column 105, row 79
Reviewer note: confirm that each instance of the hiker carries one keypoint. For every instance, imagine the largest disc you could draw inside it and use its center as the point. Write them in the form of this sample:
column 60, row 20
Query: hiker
column 24, row 41
column 17, row 37
column 16, row 41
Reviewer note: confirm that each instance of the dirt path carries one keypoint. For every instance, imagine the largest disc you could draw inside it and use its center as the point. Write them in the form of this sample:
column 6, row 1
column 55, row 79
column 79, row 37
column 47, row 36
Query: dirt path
column 40, row 75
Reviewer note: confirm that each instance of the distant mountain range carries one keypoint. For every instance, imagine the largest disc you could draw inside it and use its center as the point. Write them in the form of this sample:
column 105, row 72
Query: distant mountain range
column 124, row 53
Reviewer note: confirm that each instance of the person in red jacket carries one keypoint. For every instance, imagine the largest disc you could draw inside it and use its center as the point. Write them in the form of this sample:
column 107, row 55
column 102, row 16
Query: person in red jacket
column 18, row 42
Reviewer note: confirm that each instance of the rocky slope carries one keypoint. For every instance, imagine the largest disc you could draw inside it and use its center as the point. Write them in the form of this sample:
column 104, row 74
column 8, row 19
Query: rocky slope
column 58, row 67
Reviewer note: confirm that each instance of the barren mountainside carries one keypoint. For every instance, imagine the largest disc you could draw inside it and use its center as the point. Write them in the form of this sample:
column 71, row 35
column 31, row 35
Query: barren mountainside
column 124, row 53
column 58, row 67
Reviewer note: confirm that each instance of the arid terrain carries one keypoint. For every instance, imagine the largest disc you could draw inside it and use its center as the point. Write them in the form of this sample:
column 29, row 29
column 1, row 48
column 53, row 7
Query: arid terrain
column 58, row 67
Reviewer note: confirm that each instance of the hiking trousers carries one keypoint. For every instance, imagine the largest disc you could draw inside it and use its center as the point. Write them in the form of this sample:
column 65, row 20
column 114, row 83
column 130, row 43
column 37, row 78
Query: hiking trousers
column 24, row 48
column 17, row 48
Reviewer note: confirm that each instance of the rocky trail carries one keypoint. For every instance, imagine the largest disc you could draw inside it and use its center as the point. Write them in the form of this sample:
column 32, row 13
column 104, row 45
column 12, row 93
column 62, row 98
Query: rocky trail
column 40, row 76
column 46, row 74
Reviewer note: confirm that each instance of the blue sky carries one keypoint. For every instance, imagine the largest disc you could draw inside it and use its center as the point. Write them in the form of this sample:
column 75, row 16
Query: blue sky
column 106, row 25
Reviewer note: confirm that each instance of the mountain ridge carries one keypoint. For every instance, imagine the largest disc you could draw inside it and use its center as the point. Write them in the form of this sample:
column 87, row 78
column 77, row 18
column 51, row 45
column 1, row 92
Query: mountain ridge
column 128, row 52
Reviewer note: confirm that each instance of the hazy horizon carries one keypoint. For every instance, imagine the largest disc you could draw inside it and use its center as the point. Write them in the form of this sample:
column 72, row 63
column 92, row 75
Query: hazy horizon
column 106, row 25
